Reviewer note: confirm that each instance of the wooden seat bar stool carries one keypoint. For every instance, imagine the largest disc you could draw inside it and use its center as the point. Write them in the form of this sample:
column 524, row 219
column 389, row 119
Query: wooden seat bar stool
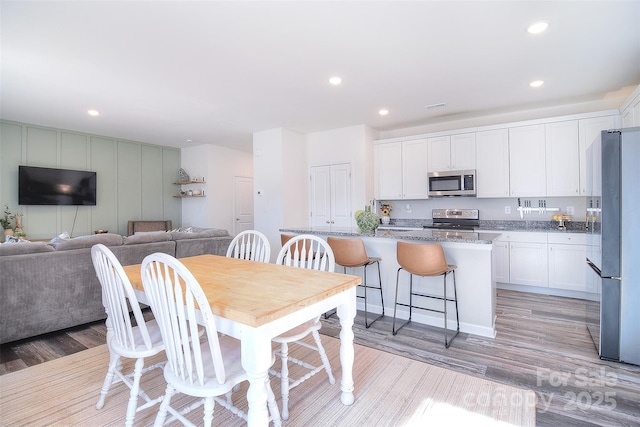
column 352, row 253
column 425, row 260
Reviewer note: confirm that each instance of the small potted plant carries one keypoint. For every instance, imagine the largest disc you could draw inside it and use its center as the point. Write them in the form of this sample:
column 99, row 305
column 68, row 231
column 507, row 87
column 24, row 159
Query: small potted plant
column 5, row 222
column 385, row 210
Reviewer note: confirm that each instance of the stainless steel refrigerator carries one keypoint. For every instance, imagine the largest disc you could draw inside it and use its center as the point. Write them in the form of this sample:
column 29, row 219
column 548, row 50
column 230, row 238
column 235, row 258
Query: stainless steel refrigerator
column 613, row 254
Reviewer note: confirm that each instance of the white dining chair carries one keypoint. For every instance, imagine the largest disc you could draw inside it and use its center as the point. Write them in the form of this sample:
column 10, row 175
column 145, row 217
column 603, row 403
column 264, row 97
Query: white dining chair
column 311, row 252
column 124, row 339
column 206, row 369
column 250, row 245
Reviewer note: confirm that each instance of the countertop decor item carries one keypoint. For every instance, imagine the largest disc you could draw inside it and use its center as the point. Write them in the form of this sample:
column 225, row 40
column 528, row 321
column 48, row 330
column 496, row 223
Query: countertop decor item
column 367, row 221
column 183, row 176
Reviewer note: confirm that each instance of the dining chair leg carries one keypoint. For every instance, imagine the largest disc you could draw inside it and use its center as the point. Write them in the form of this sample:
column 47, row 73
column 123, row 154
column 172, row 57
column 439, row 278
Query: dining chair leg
column 135, row 390
column 108, row 379
column 208, row 411
column 323, row 356
column 272, row 405
column 164, row 407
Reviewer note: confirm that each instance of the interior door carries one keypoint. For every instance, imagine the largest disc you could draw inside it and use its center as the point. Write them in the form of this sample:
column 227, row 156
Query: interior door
column 243, row 208
column 341, row 195
column 320, row 193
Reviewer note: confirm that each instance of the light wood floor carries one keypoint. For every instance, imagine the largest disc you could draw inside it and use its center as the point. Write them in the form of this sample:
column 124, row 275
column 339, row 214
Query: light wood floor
column 542, row 344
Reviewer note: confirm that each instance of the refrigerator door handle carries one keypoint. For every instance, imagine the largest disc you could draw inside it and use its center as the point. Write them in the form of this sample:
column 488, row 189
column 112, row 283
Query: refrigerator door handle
column 594, row 268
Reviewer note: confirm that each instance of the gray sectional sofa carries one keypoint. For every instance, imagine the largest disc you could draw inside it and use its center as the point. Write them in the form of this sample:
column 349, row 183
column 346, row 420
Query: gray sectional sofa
column 45, row 287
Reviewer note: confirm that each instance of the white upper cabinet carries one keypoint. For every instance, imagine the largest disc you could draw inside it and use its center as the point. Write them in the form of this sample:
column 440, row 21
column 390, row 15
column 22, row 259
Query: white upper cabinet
column 588, row 131
column 631, row 114
column 401, row 170
column 455, row 152
column 562, row 159
column 527, row 170
column 439, row 153
column 414, row 169
column 492, row 163
column 388, row 158
column 463, row 151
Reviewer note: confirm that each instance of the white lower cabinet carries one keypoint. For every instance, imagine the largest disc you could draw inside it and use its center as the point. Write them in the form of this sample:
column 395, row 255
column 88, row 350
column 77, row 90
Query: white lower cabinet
column 501, row 261
column 528, row 259
column 547, row 260
column 567, row 254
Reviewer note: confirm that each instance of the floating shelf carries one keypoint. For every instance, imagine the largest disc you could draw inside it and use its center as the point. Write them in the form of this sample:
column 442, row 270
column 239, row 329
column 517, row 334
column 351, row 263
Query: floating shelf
column 187, row 196
column 189, row 182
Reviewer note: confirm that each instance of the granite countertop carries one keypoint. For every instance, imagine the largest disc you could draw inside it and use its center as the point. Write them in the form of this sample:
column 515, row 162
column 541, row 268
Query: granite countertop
column 404, row 234
column 499, row 226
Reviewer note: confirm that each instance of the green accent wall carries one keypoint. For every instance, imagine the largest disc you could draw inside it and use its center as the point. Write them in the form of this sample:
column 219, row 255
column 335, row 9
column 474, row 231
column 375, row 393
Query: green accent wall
column 134, row 179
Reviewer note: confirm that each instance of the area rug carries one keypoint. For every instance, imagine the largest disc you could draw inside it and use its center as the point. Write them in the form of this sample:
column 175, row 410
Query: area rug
column 390, row 390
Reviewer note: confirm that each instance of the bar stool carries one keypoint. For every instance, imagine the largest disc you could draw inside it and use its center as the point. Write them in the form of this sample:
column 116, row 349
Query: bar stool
column 425, row 260
column 352, row 253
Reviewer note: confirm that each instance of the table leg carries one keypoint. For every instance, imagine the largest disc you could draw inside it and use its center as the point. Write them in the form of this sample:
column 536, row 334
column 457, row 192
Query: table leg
column 256, row 361
column 347, row 313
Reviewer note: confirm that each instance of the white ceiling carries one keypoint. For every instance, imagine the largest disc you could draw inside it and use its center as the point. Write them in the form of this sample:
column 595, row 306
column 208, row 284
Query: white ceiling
column 215, row 72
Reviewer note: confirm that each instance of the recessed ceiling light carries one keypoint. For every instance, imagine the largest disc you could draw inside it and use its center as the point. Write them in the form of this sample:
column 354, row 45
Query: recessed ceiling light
column 536, row 83
column 93, row 113
column 335, row 80
column 537, row 27
column 189, row 141
column 383, row 112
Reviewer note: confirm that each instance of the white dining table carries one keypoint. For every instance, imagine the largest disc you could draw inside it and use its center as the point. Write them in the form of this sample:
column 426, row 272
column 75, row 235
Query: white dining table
column 255, row 302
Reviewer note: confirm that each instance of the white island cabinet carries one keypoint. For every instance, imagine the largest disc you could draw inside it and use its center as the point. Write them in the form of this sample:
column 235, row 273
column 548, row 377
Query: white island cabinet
column 472, row 254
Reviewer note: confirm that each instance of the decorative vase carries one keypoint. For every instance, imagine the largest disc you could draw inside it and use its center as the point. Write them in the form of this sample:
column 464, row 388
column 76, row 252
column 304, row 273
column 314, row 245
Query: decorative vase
column 18, row 219
column 385, row 219
column 7, row 232
column 367, row 221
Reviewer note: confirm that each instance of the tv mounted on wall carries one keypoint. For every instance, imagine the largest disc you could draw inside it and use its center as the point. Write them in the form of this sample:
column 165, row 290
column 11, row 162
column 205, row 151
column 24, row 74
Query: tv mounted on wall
column 48, row 186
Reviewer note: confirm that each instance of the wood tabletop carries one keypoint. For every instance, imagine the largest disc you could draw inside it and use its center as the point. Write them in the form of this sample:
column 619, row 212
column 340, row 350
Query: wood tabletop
column 255, row 293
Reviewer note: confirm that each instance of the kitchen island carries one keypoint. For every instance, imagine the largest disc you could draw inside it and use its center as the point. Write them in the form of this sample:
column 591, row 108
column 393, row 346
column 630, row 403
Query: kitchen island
column 470, row 251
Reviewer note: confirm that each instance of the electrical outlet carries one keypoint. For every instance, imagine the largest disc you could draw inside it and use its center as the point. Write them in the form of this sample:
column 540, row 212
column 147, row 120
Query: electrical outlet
column 570, row 210
column 507, row 209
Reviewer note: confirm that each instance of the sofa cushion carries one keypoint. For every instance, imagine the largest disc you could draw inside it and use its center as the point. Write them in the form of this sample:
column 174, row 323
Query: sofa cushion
column 135, row 226
column 147, row 237
column 198, row 233
column 107, row 239
column 24, row 248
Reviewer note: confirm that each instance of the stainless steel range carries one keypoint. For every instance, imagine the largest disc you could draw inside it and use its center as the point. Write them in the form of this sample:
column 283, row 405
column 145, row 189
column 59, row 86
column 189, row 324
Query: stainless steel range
column 454, row 219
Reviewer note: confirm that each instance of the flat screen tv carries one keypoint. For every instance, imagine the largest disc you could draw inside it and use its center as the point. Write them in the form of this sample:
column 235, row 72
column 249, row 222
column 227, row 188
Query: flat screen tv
column 48, row 186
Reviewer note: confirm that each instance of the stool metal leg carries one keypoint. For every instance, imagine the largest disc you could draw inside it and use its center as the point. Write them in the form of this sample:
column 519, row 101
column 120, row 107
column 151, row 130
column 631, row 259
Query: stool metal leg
column 395, row 306
column 366, row 310
column 455, row 301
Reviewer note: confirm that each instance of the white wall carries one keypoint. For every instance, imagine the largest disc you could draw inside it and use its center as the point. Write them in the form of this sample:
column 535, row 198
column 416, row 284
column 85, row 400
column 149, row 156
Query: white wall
column 218, row 165
column 295, row 186
column 270, row 181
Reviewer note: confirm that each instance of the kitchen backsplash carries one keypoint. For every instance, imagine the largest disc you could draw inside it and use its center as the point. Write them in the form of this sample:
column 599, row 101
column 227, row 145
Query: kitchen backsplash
column 490, row 209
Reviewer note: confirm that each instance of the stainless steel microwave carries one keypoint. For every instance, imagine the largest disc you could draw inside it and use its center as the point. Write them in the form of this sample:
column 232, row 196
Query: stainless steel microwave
column 452, row 183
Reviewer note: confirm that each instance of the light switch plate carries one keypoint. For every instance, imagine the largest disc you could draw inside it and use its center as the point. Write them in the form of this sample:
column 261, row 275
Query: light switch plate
column 507, row 209
column 571, row 210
